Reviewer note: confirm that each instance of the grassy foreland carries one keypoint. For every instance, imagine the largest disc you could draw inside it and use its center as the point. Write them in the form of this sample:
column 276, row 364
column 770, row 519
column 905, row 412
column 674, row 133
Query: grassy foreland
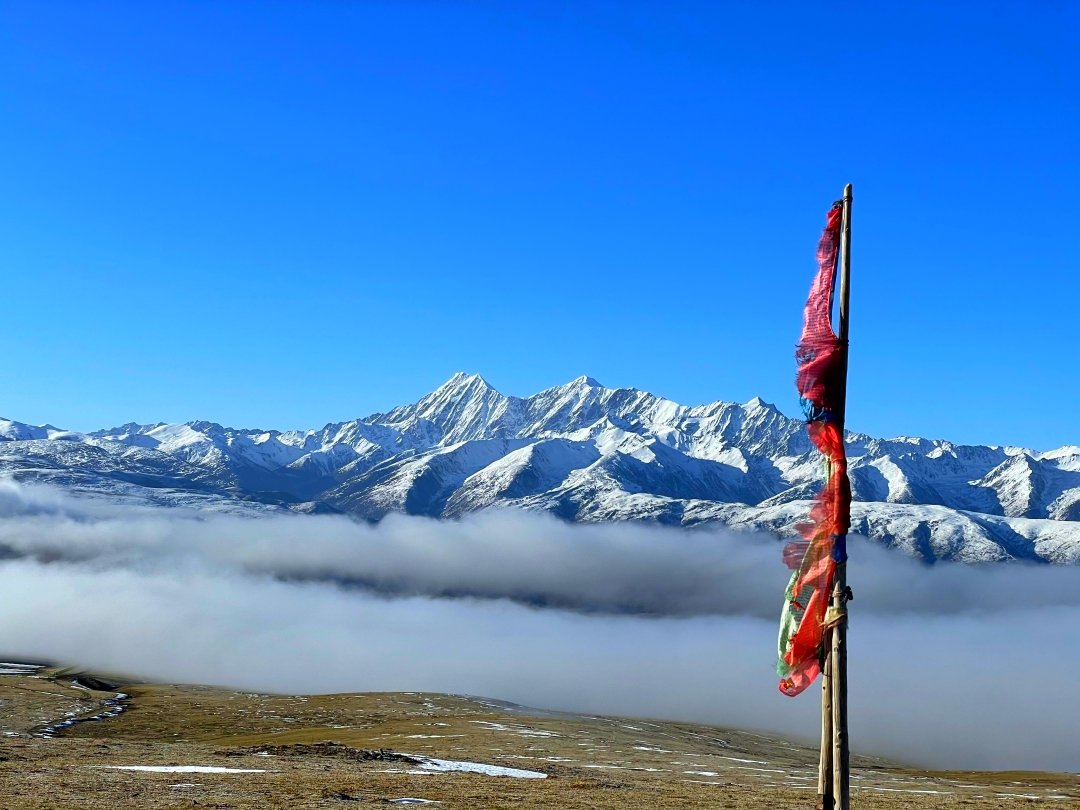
column 355, row 750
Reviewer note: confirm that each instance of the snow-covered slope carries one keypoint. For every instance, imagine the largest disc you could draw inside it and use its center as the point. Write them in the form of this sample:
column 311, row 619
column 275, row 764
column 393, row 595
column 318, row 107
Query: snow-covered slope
column 584, row 452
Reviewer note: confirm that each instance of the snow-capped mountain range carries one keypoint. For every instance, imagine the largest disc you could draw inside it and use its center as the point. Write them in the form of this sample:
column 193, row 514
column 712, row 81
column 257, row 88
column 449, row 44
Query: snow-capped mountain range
column 585, row 453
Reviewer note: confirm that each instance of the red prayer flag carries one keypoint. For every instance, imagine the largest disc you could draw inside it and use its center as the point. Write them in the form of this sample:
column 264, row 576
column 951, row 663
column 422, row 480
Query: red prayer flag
column 813, row 559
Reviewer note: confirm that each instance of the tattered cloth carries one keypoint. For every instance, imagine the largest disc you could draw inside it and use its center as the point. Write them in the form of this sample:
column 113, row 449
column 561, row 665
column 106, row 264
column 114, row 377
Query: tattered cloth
column 813, row 559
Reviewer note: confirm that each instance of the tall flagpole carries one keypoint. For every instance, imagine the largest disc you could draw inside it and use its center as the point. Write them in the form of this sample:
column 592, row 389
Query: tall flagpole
column 837, row 664
column 833, row 765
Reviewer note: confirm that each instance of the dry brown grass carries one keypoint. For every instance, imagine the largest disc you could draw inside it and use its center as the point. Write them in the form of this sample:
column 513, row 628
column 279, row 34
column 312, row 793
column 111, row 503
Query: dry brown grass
column 592, row 762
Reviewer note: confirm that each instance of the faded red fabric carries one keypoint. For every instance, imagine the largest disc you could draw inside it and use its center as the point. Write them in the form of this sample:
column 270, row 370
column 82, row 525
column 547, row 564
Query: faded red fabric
column 813, row 559
column 818, row 351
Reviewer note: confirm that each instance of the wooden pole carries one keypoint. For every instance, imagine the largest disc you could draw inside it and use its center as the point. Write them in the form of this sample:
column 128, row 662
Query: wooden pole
column 838, row 653
column 825, row 775
column 833, row 782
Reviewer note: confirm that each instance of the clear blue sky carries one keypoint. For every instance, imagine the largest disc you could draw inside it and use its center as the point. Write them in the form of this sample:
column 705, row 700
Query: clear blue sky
column 280, row 214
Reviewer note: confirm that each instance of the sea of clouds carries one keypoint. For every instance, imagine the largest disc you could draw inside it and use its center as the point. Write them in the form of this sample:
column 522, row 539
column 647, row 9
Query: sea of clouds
column 950, row 665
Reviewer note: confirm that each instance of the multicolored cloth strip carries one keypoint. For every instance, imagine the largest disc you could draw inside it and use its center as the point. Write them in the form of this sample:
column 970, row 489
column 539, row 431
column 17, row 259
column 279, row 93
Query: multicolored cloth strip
column 814, row 557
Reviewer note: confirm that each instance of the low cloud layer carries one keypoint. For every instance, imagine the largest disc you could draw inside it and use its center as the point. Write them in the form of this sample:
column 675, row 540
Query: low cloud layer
column 951, row 666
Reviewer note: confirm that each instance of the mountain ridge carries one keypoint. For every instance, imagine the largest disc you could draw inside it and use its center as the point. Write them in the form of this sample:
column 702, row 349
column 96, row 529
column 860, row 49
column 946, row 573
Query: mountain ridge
column 583, row 452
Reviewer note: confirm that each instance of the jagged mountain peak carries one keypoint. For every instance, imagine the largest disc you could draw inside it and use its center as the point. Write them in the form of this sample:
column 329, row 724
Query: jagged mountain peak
column 1065, row 451
column 46, row 426
column 462, row 380
column 582, row 385
column 126, row 428
column 213, row 428
column 10, row 430
column 459, row 388
column 464, row 408
column 587, row 381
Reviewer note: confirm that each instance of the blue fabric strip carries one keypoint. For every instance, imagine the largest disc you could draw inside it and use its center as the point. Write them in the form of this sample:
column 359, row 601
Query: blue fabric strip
column 839, row 548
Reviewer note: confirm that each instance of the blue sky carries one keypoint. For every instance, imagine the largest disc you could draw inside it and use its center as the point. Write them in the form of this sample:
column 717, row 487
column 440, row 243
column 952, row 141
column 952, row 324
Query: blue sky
column 281, row 214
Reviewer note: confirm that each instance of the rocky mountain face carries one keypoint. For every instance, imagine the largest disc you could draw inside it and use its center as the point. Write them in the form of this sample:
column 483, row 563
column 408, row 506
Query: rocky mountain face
column 585, row 453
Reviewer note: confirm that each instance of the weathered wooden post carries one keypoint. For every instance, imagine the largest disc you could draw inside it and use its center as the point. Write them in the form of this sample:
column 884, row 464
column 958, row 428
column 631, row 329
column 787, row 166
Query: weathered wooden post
column 837, row 665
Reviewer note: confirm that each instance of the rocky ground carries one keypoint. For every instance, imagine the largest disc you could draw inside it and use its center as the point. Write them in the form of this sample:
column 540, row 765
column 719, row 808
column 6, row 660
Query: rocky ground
column 70, row 740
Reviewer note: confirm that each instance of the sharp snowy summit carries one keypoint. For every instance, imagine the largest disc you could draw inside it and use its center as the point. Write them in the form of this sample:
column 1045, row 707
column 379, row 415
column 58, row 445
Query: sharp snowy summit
column 583, row 452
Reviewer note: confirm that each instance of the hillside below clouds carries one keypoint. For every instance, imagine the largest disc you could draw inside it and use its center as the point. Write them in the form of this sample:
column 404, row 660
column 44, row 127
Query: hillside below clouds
column 584, row 453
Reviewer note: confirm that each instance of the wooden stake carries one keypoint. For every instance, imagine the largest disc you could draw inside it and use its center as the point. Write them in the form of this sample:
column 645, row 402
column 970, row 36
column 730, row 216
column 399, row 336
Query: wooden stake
column 838, row 653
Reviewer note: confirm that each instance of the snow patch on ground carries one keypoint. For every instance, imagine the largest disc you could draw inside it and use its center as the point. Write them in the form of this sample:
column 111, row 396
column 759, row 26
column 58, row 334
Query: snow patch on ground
column 9, row 668
column 524, row 731
column 454, row 766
